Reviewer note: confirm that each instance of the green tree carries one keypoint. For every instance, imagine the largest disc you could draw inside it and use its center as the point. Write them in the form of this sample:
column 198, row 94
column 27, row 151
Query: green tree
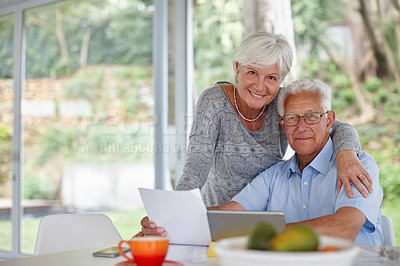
column 59, row 39
column 5, row 153
column 218, row 32
column 6, row 46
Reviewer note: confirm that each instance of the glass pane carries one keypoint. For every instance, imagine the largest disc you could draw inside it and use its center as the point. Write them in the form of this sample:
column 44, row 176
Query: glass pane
column 6, row 128
column 216, row 38
column 87, row 111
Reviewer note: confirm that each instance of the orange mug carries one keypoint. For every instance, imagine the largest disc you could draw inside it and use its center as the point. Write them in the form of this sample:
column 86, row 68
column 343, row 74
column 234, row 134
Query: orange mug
column 146, row 251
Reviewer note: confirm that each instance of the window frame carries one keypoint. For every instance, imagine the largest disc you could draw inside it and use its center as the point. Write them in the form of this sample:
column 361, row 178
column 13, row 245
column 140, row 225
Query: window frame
column 17, row 9
column 183, row 38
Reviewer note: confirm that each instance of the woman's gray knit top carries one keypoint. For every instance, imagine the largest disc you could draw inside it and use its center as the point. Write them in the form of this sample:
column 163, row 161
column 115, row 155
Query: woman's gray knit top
column 224, row 156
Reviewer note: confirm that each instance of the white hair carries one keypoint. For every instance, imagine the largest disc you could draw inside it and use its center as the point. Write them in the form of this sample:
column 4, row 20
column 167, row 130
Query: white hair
column 262, row 50
column 306, row 85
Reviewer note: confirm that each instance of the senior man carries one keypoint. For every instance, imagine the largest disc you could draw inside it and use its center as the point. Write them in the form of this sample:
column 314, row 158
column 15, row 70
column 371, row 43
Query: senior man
column 304, row 187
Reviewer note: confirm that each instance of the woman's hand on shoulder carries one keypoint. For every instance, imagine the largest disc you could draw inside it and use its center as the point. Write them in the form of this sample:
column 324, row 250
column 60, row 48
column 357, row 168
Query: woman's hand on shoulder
column 350, row 169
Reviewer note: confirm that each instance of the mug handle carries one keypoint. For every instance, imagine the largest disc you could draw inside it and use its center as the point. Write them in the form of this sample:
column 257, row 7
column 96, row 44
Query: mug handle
column 121, row 252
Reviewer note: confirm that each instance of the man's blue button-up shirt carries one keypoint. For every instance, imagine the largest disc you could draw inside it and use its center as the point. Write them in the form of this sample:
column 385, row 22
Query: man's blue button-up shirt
column 314, row 193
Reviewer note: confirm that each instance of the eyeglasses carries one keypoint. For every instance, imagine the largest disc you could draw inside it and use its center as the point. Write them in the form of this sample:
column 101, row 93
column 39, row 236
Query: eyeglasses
column 310, row 119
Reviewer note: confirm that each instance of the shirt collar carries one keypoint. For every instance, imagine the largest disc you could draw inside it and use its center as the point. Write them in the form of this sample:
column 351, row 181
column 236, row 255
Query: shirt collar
column 320, row 162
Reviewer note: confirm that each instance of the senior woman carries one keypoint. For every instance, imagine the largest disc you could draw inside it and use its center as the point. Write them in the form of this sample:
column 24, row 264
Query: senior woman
column 236, row 133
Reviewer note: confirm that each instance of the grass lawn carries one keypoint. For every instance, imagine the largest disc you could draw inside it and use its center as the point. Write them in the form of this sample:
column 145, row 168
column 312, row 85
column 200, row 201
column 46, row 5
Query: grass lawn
column 127, row 223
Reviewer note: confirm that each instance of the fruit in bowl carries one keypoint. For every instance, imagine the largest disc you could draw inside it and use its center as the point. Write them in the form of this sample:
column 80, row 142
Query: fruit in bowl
column 299, row 237
column 237, row 251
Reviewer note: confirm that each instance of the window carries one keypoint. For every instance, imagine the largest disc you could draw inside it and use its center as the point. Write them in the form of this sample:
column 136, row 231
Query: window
column 87, row 113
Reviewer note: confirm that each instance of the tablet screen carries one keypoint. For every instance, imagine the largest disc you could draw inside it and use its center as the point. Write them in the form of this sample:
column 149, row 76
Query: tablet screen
column 225, row 224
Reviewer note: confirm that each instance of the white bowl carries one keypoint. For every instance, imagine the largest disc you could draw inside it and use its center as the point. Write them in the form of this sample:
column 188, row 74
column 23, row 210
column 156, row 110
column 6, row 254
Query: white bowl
column 233, row 251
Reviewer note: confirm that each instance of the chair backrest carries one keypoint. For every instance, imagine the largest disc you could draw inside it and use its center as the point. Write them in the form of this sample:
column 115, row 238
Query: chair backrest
column 63, row 232
column 388, row 232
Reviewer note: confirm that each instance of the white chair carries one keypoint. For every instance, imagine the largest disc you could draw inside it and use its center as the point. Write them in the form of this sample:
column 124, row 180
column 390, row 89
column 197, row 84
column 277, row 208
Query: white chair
column 63, row 232
column 388, row 232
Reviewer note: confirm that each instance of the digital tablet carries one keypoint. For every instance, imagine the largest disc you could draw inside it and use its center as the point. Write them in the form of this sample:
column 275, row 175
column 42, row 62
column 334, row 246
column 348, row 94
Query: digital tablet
column 225, row 224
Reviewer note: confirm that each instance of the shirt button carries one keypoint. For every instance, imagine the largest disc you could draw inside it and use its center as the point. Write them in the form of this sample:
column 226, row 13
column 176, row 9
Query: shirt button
column 305, row 183
column 304, row 206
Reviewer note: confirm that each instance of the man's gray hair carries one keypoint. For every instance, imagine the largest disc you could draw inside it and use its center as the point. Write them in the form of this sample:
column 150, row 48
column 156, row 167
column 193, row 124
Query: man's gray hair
column 262, row 50
column 306, row 85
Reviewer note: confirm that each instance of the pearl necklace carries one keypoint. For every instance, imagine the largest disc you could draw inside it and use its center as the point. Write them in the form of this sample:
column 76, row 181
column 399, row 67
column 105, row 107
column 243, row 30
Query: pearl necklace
column 237, row 108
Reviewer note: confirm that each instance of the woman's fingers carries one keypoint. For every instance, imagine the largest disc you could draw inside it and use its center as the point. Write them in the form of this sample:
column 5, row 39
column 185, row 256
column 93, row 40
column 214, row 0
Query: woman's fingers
column 350, row 170
column 362, row 182
column 347, row 188
column 360, row 187
column 366, row 180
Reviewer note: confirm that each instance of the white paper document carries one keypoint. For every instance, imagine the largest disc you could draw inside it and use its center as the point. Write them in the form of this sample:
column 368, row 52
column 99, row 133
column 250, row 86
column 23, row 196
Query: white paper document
column 181, row 213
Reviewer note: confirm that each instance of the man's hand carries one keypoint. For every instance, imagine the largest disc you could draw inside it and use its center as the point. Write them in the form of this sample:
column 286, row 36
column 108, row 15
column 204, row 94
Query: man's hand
column 350, row 169
column 149, row 228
